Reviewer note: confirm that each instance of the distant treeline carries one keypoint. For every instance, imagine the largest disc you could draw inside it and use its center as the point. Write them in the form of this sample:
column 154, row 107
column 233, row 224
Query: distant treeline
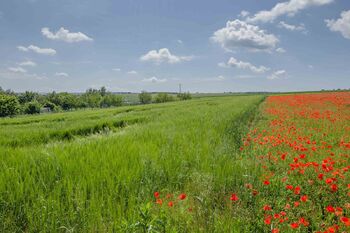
column 29, row 102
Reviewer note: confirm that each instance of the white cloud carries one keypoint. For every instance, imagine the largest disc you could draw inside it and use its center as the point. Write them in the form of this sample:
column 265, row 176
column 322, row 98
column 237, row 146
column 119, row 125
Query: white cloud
column 132, row 72
column 163, row 55
column 243, row 14
column 277, row 74
column 116, row 69
column 180, row 41
column 17, row 70
column 239, row 34
column 310, row 66
column 64, row 35
column 290, row 27
column 154, row 80
column 61, row 74
column 289, row 8
column 27, row 63
column 45, row 51
column 341, row 25
column 280, row 50
column 220, row 78
column 233, row 62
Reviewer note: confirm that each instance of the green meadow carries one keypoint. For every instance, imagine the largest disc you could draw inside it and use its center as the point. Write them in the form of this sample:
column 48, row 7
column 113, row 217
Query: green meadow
column 97, row 170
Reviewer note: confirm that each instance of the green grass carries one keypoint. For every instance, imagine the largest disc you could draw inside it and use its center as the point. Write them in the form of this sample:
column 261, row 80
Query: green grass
column 97, row 170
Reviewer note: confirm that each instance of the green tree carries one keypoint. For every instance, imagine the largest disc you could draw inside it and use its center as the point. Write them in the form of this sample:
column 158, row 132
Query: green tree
column 163, row 97
column 111, row 100
column 32, row 107
column 145, row 97
column 184, row 96
column 27, row 96
column 9, row 105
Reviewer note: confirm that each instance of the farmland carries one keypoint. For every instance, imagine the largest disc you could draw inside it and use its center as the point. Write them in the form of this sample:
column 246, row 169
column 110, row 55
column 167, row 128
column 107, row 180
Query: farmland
column 211, row 164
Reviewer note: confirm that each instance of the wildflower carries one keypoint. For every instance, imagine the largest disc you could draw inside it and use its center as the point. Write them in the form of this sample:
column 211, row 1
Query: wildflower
column 294, row 225
column 170, row 204
column 156, row 194
column 182, row 196
column 297, row 190
column 267, row 220
column 303, row 198
column 275, row 230
column 330, row 209
column 267, row 207
column 234, row 197
column 345, row 220
column 289, row 187
column 159, row 201
column 266, row 182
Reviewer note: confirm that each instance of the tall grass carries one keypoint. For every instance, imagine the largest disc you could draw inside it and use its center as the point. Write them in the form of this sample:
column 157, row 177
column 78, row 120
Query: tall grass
column 103, row 177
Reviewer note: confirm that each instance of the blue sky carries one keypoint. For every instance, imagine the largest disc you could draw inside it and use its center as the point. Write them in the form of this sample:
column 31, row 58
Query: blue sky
column 207, row 46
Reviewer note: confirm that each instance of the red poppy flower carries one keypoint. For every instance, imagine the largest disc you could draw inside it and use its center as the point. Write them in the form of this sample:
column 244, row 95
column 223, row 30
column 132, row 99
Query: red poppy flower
column 294, row 225
column 156, row 194
column 170, row 204
column 345, row 220
column 234, row 197
column 304, row 198
column 182, row 196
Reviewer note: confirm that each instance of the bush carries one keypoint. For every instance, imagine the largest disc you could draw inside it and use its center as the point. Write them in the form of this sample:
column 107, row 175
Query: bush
column 53, row 107
column 163, row 97
column 9, row 105
column 145, row 98
column 184, row 96
column 111, row 100
column 32, row 107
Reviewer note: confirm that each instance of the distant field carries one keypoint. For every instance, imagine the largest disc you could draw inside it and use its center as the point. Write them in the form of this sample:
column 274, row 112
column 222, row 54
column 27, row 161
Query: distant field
column 210, row 164
column 92, row 170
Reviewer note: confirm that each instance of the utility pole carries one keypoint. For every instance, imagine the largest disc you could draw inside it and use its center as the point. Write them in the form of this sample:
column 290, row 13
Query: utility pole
column 179, row 88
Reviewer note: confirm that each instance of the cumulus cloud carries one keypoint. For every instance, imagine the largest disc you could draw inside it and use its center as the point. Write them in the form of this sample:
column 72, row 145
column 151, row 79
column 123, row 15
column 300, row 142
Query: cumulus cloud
column 36, row 49
column 239, row 34
column 291, row 27
column 243, row 14
column 132, row 72
column 62, row 74
column 17, row 70
column 277, row 74
column 233, row 62
column 341, row 25
column 27, row 63
column 116, row 69
column 154, row 80
column 280, row 50
column 164, row 55
column 64, row 35
column 289, row 8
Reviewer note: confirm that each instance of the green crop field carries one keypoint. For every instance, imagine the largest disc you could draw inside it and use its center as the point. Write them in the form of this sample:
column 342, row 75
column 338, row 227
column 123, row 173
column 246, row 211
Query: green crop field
column 97, row 170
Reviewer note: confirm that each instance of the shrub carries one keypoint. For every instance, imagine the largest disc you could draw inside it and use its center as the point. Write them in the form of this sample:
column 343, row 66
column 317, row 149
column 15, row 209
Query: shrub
column 9, row 105
column 110, row 100
column 163, row 97
column 32, row 107
column 145, row 98
column 184, row 96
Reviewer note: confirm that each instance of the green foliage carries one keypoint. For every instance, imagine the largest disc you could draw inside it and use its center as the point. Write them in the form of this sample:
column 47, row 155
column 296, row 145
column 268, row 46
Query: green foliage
column 27, row 97
column 163, row 97
column 32, row 107
column 145, row 97
column 110, row 100
column 51, row 106
column 9, row 105
column 184, row 96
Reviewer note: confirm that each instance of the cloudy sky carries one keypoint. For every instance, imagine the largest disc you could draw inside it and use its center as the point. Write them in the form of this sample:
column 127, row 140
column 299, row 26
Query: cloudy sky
column 153, row 45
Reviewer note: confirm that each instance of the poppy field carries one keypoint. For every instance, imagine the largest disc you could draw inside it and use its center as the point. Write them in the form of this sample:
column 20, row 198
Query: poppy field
column 245, row 163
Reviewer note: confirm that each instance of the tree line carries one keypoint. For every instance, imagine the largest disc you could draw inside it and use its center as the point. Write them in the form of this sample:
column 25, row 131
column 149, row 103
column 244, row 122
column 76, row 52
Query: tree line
column 29, row 102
